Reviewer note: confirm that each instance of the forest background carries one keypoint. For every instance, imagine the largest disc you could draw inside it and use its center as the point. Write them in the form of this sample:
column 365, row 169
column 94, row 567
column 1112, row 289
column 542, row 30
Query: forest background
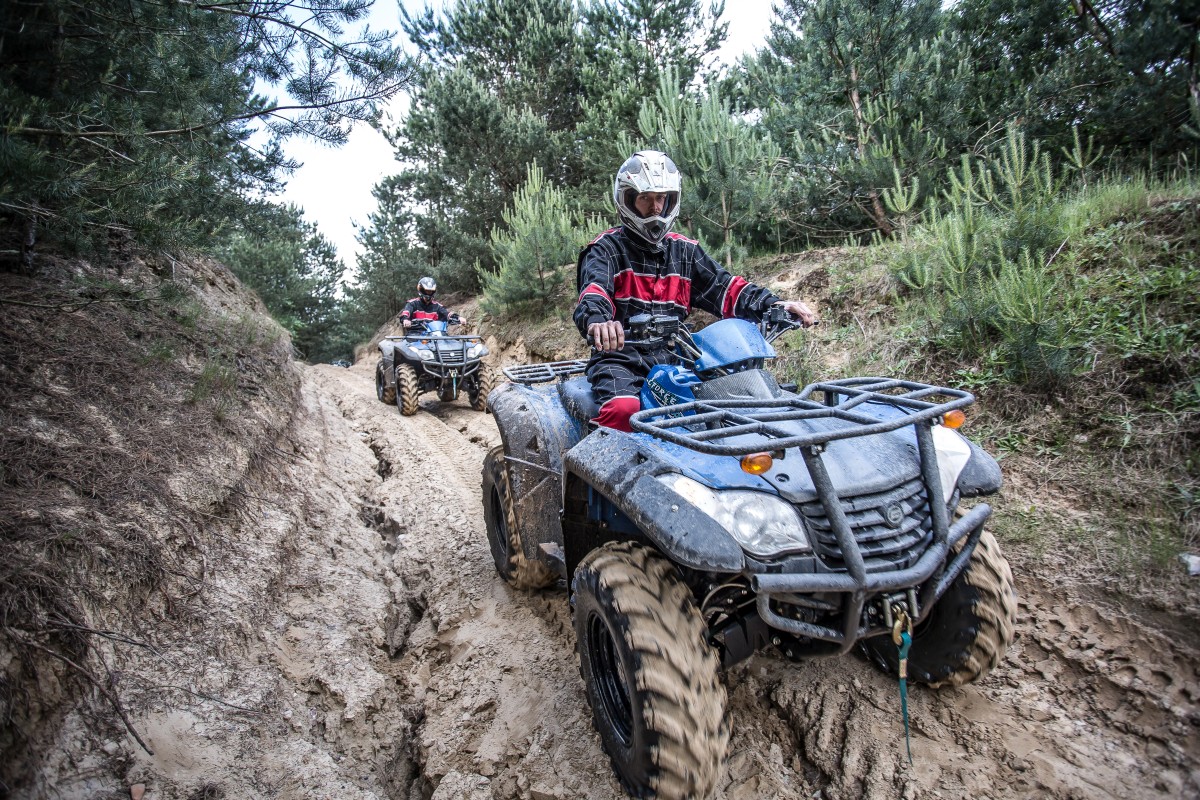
column 857, row 120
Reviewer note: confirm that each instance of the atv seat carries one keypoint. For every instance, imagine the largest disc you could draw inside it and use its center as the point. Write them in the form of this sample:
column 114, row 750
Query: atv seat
column 576, row 395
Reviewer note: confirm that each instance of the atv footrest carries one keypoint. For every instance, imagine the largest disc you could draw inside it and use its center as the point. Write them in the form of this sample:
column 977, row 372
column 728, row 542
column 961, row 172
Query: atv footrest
column 545, row 373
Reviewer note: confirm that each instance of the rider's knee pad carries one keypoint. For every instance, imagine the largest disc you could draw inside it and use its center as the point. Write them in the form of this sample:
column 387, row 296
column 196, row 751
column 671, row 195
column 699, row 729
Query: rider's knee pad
column 615, row 413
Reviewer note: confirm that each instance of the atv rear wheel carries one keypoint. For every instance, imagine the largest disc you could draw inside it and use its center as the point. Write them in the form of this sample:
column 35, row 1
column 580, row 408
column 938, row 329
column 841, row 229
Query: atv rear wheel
column 485, row 379
column 969, row 629
column 503, row 531
column 651, row 676
column 385, row 393
column 406, row 390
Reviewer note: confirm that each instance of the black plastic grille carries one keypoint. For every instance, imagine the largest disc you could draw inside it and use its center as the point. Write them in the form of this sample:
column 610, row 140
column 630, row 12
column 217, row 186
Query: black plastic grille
column 884, row 546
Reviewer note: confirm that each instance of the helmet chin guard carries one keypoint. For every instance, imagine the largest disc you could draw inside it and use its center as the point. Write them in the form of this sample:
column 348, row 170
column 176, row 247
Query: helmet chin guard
column 647, row 171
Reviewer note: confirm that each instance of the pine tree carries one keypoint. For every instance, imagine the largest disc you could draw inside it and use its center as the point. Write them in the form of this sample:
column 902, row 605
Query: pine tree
column 390, row 264
column 729, row 166
column 293, row 268
column 541, row 235
column 134, row 118
column 858, row 92
column 501, row 91
column 1121, row 72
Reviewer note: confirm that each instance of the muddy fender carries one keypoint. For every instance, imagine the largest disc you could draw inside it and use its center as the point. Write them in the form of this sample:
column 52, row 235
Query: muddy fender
column 387, row 360
column 981, row 475
column 622, row 469
column 535, row 429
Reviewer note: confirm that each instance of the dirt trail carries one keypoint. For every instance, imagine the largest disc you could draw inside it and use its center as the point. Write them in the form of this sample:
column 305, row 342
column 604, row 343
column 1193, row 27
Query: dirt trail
column 1087, row 704
column 359, row 644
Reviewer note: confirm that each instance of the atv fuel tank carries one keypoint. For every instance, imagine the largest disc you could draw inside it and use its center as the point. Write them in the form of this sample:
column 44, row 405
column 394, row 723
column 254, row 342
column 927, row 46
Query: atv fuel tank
column 668, row 386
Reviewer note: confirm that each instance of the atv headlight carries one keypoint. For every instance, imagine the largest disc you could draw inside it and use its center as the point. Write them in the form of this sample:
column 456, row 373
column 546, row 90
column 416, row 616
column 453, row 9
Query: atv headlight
column 764, row 525
column 425, row 354
column 476, row 350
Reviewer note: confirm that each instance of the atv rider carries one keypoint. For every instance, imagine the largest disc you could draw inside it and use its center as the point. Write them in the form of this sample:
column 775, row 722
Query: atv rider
column 626, row 268
column 424, row 307
column 420, row 309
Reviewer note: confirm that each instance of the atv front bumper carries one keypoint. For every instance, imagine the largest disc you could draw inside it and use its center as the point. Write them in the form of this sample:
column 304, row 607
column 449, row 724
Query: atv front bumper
column 927, row 579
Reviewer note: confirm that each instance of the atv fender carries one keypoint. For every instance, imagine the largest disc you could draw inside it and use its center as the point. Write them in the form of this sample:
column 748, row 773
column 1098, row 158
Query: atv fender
column 619, row 467
column 387, row 350
column 535, row 429
column 981, row 474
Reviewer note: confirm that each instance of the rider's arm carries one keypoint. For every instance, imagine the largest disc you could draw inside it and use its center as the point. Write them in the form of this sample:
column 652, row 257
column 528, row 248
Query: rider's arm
column 595, row 283
column 406, row 314
column 724, row 295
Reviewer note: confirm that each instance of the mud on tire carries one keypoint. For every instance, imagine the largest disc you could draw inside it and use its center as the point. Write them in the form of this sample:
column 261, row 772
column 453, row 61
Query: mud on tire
column 406, row 390
column 652, row 679
column 503, row 531
column 479, row 392
column 385, row 393
column 969, row 629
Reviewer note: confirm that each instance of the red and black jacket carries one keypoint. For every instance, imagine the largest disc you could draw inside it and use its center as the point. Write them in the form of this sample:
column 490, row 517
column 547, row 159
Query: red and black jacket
column 618, row 277
column 418, row 309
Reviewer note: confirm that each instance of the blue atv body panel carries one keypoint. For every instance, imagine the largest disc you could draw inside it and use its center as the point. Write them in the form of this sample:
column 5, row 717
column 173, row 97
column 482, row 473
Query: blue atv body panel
column 728, row 342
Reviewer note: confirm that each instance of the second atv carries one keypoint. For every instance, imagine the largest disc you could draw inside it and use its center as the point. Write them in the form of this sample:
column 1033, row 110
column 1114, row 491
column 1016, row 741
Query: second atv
column 428, row 359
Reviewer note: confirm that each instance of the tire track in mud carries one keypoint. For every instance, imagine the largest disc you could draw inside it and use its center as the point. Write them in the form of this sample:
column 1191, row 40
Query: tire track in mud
column 1087, row 703
column 494, row 670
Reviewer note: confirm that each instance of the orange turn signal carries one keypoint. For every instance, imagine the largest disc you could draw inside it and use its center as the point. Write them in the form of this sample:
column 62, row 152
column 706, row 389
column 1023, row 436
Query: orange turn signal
column 757, row 463
column 954, row 419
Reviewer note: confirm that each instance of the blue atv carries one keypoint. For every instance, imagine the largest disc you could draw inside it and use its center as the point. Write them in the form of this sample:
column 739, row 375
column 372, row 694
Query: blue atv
column 741, row 515
column 428, row 359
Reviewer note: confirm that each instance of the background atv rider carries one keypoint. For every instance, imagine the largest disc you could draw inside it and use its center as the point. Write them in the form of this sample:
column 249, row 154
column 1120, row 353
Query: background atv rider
column 421, row 307
column 627, row 268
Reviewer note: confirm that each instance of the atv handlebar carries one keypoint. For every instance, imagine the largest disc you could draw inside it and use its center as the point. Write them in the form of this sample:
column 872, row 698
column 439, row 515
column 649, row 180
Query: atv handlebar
column 650, row 331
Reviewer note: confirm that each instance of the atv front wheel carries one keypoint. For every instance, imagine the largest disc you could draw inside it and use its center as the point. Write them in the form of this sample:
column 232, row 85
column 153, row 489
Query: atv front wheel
column 485, row 379
column 969, row 629
column 385, row 393
column 503, row 532
column 406, row 390
column 651, row 676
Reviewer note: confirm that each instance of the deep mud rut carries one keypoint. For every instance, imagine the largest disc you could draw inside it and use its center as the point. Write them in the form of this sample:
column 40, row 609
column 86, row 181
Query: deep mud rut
column 401, row 666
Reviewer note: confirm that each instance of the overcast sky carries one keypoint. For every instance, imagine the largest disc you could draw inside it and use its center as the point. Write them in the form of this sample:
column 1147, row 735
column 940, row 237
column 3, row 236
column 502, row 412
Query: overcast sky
column 334, row 185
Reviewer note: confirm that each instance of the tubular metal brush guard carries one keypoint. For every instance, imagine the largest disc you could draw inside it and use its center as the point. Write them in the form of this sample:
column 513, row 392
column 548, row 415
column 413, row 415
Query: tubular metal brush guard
column 709, row 427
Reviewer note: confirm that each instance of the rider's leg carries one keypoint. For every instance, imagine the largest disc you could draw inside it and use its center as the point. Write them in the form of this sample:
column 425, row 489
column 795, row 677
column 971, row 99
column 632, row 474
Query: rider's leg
column 616, row 379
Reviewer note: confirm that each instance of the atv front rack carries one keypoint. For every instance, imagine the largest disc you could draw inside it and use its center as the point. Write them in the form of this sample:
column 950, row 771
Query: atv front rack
column 530, row 374
column 763, row 425
column 709, row 426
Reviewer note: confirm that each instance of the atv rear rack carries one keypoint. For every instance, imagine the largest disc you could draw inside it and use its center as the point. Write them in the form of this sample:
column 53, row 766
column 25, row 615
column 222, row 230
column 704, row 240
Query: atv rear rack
column 530, row 374
column 708, row 426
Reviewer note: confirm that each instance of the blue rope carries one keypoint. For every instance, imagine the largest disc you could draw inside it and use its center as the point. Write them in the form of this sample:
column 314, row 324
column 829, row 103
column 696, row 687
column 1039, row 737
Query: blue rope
column 905, row 644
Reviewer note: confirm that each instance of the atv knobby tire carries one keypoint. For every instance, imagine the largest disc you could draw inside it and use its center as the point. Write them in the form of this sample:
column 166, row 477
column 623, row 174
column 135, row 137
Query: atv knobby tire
column 651, row 677
column 969, row 629
column 385, row 393
column 406, row 390
column 484, row 381
column 503, row 530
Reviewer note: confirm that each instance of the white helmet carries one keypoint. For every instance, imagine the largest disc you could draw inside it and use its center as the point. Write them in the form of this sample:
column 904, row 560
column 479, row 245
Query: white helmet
column 647, row 171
